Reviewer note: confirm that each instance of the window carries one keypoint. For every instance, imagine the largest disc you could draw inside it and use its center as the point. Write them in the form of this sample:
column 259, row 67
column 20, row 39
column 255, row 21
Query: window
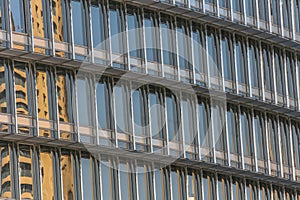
column 140, row 115
column 60, row 17
column 40, row 18
column 255, row 70
column 250, row 10
column 285, row 148
column 234, row 136
column 194, row 186
column 204, row 120
column 47, row 173
column 237, row 6
column 3, row 15
column 237, row 189
column 247, row 139
column 168, row 45
column 6, row 190
column 183, row 43
column 84, row 101
column 296, row 147
column 68, row 174
column 227, row 59
column 251, row 190
column 78, row 17
column 18, row 16
column 151, row 36
column 24, row 95
column 134, row 24
column 199, row 54
column 117, row 28
column 223, row 188
column 156, row 103
column 275, row 15
column 219, row 134
column 241, row 65
column 173, row 115
column 162, row 180
column 209, row 187
column 291, row 79
column 189, row 124
column 178, row 183
column 273, row 142
column 145, row 181
column 287, row 15
column 26, row 173
column 87, row 177
column 65, row 101
column 297, row 15
column 46, row 103
column 264, row 192
column 263, row 13
column 260, row 140
column 280, row 78
column 5, row 93
column 268, row 72
column 213, row 56
column 99, row 24
column 122, row 109
column 109, row 178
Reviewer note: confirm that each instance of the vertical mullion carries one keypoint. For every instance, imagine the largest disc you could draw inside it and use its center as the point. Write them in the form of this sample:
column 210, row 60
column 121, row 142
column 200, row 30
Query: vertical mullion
column 70, row 17
column 241, row 135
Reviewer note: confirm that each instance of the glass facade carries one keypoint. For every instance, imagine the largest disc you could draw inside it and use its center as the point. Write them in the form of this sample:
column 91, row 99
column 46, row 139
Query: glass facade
column 113, row 100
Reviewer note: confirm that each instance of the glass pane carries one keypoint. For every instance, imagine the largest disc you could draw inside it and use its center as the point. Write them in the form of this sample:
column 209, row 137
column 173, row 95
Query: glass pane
column 23, row 89
column 67, row 173
column 151, row 35
column 4, row 92
column 116, row 17
column 47, row 173
column 140, row 112
column 98, row 24
column 64, row 87
column 229, row 71
column 87, row 178
column 241, row 61
column 108, row 180
column 6, row 177
column 78, row 17
column 224, row 189
column 144, row 182
column 127, row 181
column 39, row 18
column 134, row 31
column 167, row 38
column 26, row 175
column 60, row 20
column 122, row 107
column 104, row 103
column 208, row 187
column 172, row 117
column 18, row 20
column 84, row 101
column 199, row 50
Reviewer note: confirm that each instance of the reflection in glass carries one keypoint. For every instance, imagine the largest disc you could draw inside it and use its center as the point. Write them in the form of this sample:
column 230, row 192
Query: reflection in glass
column 6, row 177
column 67, row 173
column 40, row 18
column 47, row 173
column 255, row 70
column 134, row 31
column 26, row 175
column 60, row 17
column 4, row 90
column 251, row 191
column 140, row 115
column 260, row 140
column 161, row 183
column 78, row 17
column 280, row 78
column 98, row 23
column 24, row 95
column 227, row 60
column 45, row 98
column 208, row 182
column 177, row 178
column 145, row 182
column 273, row 142
column 223, row 188
column 65, row 94
column 18, row 15
column 87, row 177
column 241, row 65
column 127, row 181
column 109, row 180
column 151, row 35
column 103, row 94
column 268, row 72
column 237, row 189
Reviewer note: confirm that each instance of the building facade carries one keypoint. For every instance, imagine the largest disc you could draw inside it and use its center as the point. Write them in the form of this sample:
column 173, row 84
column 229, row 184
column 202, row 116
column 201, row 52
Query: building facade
column 146, row 99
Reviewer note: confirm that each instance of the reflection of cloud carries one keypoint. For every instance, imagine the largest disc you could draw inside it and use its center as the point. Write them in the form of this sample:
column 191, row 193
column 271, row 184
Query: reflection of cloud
column 181, row 66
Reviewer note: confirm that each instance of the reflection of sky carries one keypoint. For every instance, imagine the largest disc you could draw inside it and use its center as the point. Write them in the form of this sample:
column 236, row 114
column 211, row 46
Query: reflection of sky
column 83, row 102
column 86, row 179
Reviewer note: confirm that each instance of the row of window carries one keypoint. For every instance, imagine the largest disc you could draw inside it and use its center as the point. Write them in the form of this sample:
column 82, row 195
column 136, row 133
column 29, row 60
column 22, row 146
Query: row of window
column 128, row 114
column 280, row 17
column 160, row 44
column 29, row 172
